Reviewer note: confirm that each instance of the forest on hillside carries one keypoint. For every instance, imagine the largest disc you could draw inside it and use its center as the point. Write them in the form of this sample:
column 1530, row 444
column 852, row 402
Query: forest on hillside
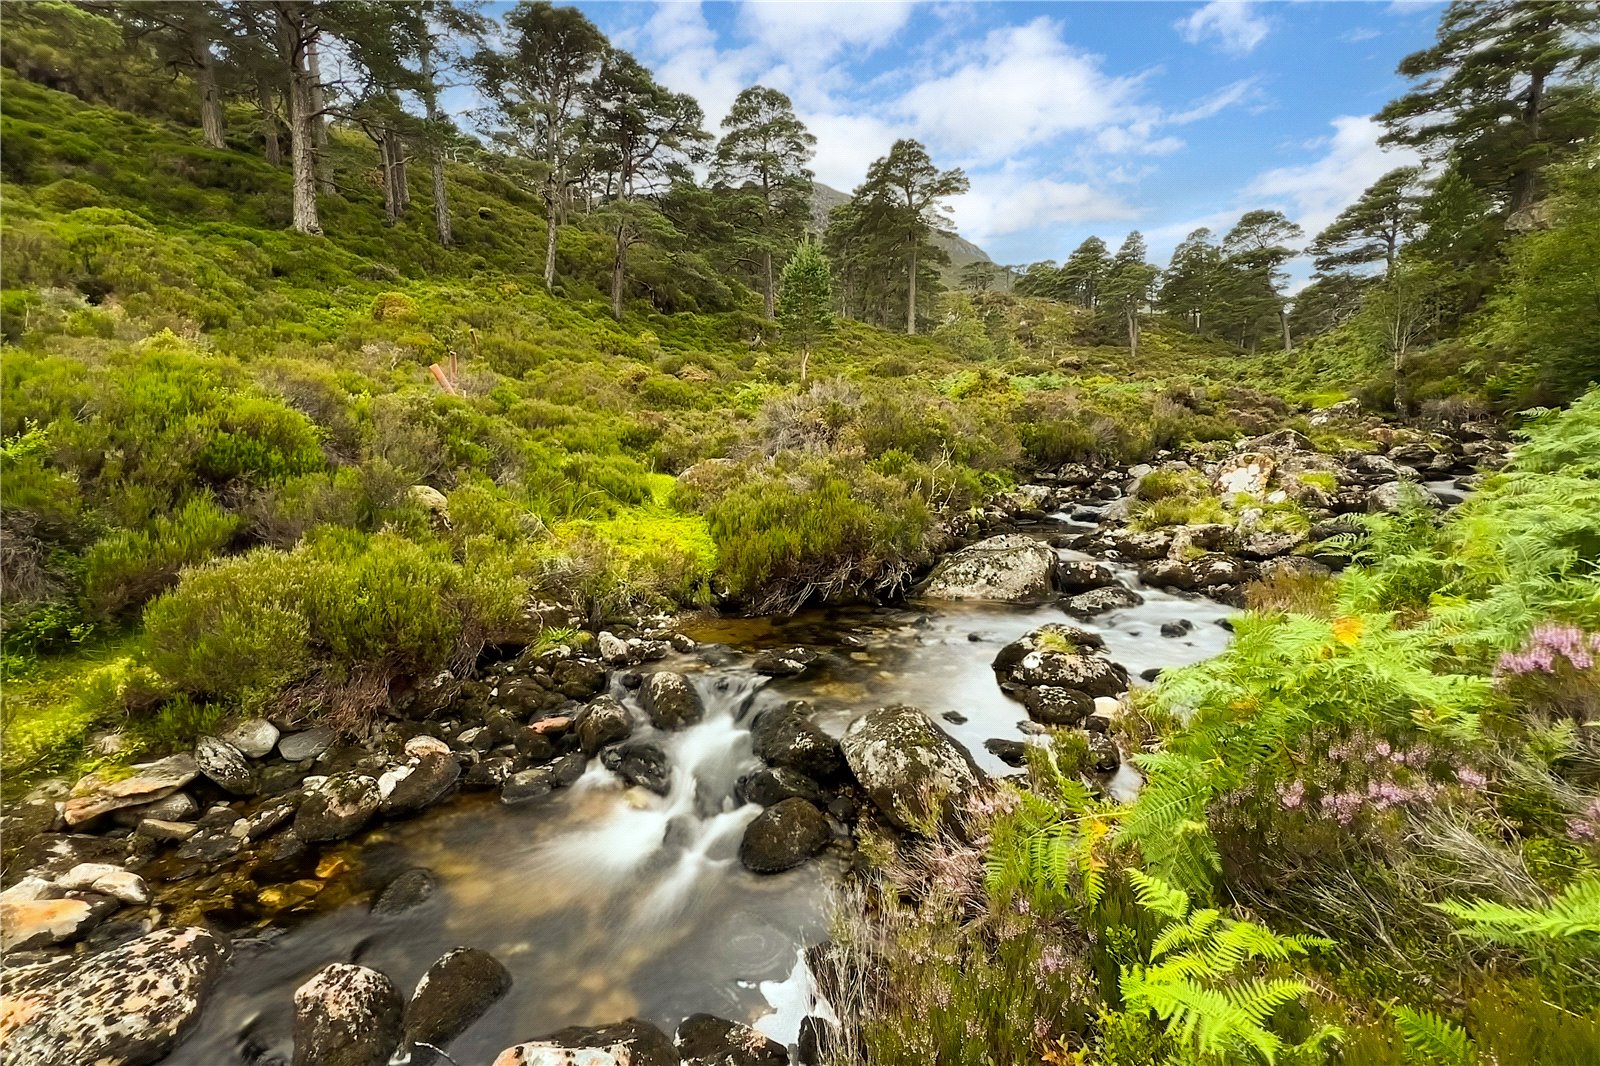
column 361, row 449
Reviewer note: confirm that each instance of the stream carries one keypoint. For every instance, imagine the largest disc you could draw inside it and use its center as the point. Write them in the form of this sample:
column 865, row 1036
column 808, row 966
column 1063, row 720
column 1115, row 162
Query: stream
column 606, row 902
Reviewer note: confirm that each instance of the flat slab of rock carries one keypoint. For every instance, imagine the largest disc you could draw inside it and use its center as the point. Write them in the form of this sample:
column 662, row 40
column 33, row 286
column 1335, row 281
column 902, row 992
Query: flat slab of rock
column 106, row 879
column 910, row 769
column 97, row 794
column 126, row 1006
column 307, row 744
column 38, row 923
column 1005, row 569
column 226, row 765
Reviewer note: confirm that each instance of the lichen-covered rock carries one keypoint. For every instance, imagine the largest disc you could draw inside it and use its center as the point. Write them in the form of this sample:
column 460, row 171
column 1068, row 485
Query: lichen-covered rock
column 1060, row 656
column 38, row 923
column 346, row 1015
column 671, row 701
column 1244, row 472
column 706, row 1040
column 97, row 794
column 641, row 763
column 774, row 784
column 411, row 889
column 787, row 737
column 337, row 808
column 1101, row 601
column 1135, row 545
column 226, row 765
column 453, row 994
column 1083, row 575
column 426, row 779
column 910, row 769
column 1053, row 705
column 605, row 721
column 628, row 1043
column 783, row 836
column 1168, row 574
column 106, row 879
column 126, row 1006
column 1007, row 569
column 1395, row 496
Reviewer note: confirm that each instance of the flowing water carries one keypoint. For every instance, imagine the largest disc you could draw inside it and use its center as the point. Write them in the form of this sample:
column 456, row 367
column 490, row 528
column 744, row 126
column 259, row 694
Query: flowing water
column 606, row 902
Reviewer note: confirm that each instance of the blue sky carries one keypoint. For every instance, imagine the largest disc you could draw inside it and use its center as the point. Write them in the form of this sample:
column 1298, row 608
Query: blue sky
column 1069, row 118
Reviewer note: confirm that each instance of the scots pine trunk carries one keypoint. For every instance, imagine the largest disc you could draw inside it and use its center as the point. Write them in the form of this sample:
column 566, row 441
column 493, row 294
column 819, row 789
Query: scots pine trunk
column 911, row 297
column 441, row 196
column 210, row 96
column 441, row 201
column 1288, row 342
column 302, row 121
column 619, row 266
column 269, row 122
column 772, row 307
column 316, row 104
column 391, row 197
column 551, row 209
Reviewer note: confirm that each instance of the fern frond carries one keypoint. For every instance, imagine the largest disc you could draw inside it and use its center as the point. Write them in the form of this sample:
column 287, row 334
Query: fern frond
column 1156, row 895
column 1573, row 914
column 1434, row 1040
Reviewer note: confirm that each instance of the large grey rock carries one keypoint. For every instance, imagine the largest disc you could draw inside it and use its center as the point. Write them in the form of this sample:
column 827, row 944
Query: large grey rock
column 337, row 808
column 1101, row 601
column 427, row 777
column 307, row 744
column 1395, row 496
column 706, row 1040
column 671, row 701
column 1083, row 575
column 1132, row 544
column 783, row 836
column 126, row 1006
column 910, row 769
column 629, row 1043
column 255, row 738
column 225, row 764
column 106, row 879
column 605, row 721
column 1008, row 569
column 98, row 794
column 453, row 994
column 346, row 1015
column 787, row 737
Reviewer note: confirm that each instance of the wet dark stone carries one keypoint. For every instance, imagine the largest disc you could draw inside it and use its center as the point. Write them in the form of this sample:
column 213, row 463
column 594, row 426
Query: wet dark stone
column 1010, row 752
column 411, row 889
column 346, row 1015
column 453, row 994
column 568, row 769
column 488, row 773
column 954, row 717
column 527, row 785
column 645, row 1044
column 786, row 736
column 706, row 1040
column 783, row 836
column 774, row 784
column 640, row 763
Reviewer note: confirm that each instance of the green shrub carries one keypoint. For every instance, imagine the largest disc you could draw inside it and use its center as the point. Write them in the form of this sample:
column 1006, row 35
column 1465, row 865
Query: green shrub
column 126, row 568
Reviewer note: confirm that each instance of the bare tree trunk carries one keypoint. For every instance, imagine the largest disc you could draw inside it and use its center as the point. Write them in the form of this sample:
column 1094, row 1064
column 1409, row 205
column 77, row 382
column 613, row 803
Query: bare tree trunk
column 269, row 122
column 766, row 267
column 1133, row 333
column 619, row 265
column 805, row 361
column 1288, row 342
column 210, row 97
column 317, row 103
column 302, row 135
column 551, row 202
column 391, row 201
column 911, row 297
column 441, row 196
column 1527, row 173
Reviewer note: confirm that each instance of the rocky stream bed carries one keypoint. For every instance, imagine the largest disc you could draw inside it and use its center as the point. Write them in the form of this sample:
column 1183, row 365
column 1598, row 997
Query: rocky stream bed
column 619, row 848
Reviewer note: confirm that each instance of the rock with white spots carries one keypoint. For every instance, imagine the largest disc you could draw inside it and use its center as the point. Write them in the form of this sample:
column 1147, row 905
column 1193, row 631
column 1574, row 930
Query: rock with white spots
column 346, row 1015
column 910, row 769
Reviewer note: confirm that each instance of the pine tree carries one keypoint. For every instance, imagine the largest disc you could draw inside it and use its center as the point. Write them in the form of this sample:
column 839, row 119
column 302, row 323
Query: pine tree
column 1126, row 289
column 1372, row 229
column 1189, row 287
column 904, row 191
column 805, row 300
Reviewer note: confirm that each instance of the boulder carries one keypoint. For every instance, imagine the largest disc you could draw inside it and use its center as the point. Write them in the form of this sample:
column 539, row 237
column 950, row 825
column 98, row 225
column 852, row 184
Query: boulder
column 1053, row 705
column 1367, row 469
column 427, row 779
column 783, row 662
column 226, row 765
column 1101, row 601
column 1263, row 544
column 783, row 836
column 346, row 1015
column 1103, row 754
column 1083, row 575
column 307, row 744
column 255, row 738
column 1343, row 411
column 578, row 678
column 1138, row 546
column 605, row 721
column 98, row 794
column 1395, row 496
column 774, row 784
column 27, row 924
column 910, row 769
column 1277, row 442
column 178, row 807
column 706, row 1040
column 1244, row 472
column 453, row 994
column 615, row 651
column 1008, row 569
column 671, row 701
column 629, row 1043
column 787, row 737
column 1011, row 752
column 337, row 808
column 1212, row 571
column 125, row 1006
column 1203, row 536
column 1062, row 657
column 641, row 763
column 1294, row 564
column 1168, row 574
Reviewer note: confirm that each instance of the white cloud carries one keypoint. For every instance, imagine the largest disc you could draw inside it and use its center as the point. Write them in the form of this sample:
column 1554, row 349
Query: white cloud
column 684, row 56
column 1313, row 193
column 1023, row 86
column 847, row 144
column 1234, row 24
column 807, row 33
column 1361, row 33
column 1012, row 201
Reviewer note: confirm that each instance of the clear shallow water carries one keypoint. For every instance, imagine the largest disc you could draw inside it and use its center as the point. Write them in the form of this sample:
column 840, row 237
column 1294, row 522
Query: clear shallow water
column 606, row 902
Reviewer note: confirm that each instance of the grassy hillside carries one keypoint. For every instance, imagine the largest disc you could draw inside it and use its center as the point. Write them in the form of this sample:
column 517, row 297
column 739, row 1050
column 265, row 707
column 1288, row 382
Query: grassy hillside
column 211, row 422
